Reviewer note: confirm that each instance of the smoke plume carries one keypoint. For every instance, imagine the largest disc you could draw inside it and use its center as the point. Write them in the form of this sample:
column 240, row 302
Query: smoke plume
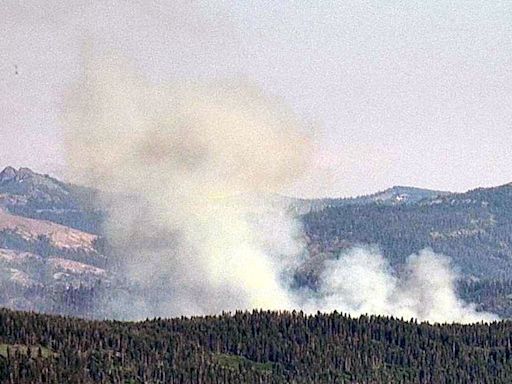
column 186, row 171
column 181, row 154
column 361, row 281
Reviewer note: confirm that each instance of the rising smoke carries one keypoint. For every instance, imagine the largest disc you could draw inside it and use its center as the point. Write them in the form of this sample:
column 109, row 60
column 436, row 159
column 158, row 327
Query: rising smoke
column 190, row 167
column 361, row 281
column 181, row 154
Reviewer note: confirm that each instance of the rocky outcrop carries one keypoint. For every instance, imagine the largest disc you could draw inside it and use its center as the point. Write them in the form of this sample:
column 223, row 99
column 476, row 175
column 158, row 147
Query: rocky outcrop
column 8, row 174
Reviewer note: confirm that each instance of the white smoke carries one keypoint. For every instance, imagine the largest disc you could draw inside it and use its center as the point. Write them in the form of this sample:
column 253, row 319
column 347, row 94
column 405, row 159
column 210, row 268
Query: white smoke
column 186, row 171
column 182, row 154
column 362, row 282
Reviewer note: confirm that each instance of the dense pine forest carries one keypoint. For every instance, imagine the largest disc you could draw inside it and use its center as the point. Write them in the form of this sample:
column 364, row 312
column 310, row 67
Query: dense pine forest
column 257, row 347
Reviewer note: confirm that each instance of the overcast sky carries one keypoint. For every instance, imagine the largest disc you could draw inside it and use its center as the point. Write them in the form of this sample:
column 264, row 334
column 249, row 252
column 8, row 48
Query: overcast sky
column 399, row 92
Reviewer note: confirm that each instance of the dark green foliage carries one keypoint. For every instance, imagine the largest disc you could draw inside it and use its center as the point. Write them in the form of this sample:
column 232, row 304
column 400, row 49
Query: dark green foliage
column 491, row 295
column 87, row 301
column 257, row 347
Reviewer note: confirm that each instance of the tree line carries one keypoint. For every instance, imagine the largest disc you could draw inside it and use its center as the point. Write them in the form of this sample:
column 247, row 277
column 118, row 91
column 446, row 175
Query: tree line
column 251, row 347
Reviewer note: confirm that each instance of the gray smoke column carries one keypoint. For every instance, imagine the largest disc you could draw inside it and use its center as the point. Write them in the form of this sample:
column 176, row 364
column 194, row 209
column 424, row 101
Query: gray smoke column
column 186, row 172
column 175, row 157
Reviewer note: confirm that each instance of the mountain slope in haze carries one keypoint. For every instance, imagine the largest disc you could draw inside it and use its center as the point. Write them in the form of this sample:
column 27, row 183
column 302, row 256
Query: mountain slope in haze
column 27, row 193
column 59, row 236
column 397, row 195
column 55, row 259
column 45, row 253
column 474, row 229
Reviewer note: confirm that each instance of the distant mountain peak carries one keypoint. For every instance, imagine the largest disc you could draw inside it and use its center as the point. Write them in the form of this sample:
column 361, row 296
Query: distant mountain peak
column 8, row 174
column 24, row 173
column 39, row 196
column 408, row 188
column 19, row 186
column 400, row 194
column 11, row 174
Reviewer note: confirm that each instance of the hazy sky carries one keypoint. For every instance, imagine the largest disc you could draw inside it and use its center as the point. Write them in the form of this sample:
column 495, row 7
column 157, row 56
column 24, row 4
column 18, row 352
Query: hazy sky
column 398, row 92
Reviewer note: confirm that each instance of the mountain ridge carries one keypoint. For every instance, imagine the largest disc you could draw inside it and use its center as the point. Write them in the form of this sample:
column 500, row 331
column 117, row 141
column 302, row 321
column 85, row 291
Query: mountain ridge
column 474, row 229
column 395, row 195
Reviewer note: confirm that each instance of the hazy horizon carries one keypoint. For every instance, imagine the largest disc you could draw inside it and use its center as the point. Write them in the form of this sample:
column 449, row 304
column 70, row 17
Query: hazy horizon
column 284, row 195
column 400, row 93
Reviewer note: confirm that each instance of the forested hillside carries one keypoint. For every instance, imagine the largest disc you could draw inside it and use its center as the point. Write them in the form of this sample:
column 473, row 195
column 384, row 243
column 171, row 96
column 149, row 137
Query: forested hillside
column 397, row 195
column 474, row 229
column 257, row 347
